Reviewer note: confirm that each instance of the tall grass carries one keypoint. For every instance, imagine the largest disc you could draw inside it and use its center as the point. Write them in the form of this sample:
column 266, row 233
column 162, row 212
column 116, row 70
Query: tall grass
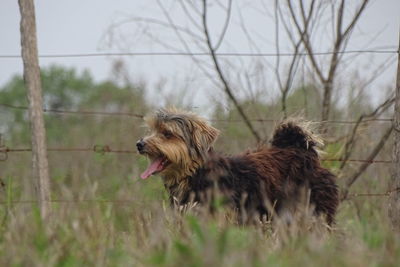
column 142, row 230
column 107, row 216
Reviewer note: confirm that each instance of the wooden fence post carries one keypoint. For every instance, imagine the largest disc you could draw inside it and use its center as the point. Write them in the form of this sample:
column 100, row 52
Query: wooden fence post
column 32, row 79
column 394, row 187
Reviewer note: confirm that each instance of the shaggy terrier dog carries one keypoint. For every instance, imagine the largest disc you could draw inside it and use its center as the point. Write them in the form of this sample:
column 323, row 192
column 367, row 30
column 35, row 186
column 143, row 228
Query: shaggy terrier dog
column 269, row 179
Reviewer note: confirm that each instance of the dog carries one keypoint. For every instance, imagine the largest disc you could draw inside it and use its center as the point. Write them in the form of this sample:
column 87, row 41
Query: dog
column 267, row 180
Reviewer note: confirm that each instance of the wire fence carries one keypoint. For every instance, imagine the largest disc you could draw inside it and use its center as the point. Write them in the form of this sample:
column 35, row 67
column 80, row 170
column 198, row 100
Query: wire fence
column 78, row 112
column 130, row 201
column 73, row 201
column 141, row 116
column 242, row 54
column 103, row 149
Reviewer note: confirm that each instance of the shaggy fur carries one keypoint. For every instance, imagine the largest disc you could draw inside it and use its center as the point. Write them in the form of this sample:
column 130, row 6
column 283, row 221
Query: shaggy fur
column 269, row 178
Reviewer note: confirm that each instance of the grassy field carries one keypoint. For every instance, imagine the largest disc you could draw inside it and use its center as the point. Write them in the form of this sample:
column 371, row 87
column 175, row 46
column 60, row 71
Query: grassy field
column 103, row 214
column 140, row 229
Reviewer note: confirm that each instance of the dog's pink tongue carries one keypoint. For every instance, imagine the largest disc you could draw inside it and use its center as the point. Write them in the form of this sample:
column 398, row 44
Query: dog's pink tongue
column 154, row 166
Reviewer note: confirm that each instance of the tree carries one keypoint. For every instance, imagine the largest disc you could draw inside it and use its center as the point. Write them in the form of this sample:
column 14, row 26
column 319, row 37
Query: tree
column 64, row 89
column 394, row 187
column 40, row 166
column 318, row 34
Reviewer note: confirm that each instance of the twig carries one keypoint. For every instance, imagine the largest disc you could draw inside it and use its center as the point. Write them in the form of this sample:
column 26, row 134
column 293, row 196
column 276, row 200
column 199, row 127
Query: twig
column 352, row 140
column 394, row 199
column 225, row 28
column 364, row 166
column 227, row 88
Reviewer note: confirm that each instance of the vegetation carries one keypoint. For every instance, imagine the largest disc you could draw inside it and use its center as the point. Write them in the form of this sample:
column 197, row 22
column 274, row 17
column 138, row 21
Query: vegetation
column 104, row 215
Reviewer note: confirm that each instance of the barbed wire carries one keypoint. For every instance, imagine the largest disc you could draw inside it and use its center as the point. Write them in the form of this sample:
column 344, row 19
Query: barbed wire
column 103, row 149
column 100, row 149
column 359, row 160
column 369, row 194
column 239, row 54
column 112, row 201
column 384, row 194
column 140, row 116
column 129, row 201
column 78, row 112
column 320, row 121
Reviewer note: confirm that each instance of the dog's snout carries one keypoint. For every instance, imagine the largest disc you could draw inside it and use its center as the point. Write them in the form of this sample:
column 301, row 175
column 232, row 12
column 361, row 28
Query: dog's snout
column 140, row 145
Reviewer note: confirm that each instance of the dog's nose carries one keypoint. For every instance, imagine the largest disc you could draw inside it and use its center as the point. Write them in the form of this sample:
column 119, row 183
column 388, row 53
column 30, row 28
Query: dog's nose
column 140, row 145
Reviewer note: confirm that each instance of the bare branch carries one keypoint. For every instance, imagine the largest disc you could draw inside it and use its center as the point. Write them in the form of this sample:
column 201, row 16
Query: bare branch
column 227, row 88
column 252, row 43
column 184, row 43
column 295, row 59
column 352, row 140
column 225, row 28
column 189, row 16
column 394, row 184
column 340, row 44
column 277, row 45
column 306, row 42
column 154, row 21
column 355, row 18
column 365, row 165
column 340, row 20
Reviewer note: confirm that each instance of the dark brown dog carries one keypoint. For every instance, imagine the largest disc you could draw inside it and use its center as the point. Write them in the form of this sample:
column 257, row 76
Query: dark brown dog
column 180, row 150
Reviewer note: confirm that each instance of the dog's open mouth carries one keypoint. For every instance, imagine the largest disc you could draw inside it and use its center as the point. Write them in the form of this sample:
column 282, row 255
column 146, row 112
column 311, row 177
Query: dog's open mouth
column 156, row 165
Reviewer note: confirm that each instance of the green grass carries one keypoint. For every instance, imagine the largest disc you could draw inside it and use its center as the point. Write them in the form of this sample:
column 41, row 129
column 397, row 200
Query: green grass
column 146, row 232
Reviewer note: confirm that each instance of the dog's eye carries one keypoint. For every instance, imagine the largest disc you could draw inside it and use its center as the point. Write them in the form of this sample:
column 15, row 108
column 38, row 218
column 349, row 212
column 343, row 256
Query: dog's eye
column 167, row 134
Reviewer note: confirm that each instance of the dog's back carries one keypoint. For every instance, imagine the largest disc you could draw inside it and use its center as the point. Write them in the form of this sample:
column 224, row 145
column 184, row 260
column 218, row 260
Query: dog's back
column 298, row 147
column 295, row 134
column 275, row 176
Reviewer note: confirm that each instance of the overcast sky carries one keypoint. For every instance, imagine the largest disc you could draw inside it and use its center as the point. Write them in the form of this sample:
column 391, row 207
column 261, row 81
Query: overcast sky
column 76, row 26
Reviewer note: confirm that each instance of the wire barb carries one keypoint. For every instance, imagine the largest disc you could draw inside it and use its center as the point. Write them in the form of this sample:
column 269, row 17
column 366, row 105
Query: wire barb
column 386, row 194
column 101, row 149
column 3, row 150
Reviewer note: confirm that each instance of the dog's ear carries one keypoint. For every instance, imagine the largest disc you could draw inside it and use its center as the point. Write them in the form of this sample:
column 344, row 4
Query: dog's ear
column 204, row 137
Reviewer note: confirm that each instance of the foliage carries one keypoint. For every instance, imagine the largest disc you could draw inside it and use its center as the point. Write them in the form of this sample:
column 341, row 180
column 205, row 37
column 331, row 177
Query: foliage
column 65, row 89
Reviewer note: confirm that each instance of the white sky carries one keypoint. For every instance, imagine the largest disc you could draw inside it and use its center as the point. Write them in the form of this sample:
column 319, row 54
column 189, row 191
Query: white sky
column 76, row 26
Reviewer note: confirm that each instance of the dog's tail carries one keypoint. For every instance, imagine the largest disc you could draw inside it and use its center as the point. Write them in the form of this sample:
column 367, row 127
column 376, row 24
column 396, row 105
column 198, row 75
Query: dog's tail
column 296, row 134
